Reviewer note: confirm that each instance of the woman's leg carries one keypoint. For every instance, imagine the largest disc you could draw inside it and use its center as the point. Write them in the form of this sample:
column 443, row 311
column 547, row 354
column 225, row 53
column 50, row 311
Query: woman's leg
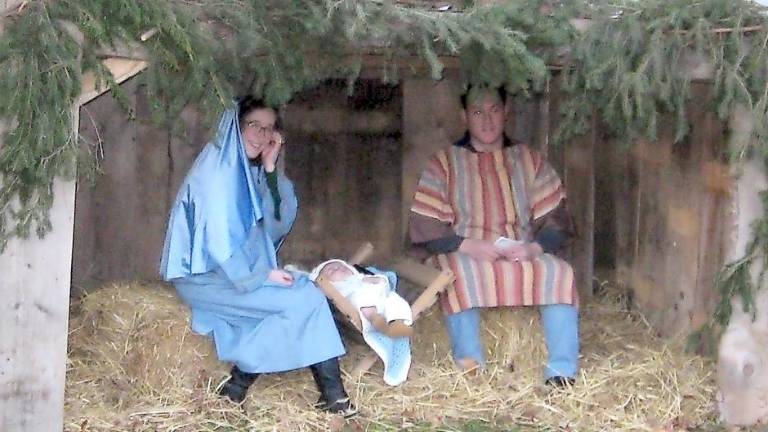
column 561, row 332
column 237, row 385
column 333, row 397
column 271, row 329
column 464, row 332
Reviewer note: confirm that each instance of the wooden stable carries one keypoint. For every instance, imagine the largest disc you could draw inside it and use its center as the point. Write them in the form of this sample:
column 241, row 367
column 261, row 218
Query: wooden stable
column 665, row 206
column 143, row 167
column 365, row 152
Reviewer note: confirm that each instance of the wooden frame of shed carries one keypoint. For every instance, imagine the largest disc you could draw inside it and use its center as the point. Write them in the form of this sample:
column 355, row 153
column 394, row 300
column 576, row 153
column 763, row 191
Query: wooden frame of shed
column 667, row 248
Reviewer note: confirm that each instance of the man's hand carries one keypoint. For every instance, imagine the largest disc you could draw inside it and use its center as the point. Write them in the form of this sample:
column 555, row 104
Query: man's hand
column 522, row 251
column 280, row 277
column 481, row 250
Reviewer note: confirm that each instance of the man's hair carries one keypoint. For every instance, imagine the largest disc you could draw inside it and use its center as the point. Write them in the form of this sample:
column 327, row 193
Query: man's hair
column 500, row 90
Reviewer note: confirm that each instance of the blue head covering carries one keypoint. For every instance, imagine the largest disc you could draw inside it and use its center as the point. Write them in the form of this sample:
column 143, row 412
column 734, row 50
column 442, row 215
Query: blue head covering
column 215, row 208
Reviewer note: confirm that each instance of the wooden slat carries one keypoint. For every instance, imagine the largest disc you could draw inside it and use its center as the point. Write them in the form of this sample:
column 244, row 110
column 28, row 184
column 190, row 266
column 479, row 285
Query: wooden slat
column 425, row 131
column 683, row 219
column 362, row 253
column 419, row 274
column 365, row 364
column 340, row 301
column 430, row 295
column 335, row 119
column 717, row 177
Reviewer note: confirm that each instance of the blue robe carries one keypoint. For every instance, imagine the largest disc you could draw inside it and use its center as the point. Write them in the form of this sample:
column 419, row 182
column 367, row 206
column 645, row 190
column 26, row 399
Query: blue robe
column 256, row 324
column 220, row 247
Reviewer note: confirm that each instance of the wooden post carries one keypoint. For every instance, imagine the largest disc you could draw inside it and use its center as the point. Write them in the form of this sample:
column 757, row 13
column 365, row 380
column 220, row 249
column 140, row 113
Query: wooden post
column 34, row 313
column 742, row 355
column 34, row 318
column 431, row 121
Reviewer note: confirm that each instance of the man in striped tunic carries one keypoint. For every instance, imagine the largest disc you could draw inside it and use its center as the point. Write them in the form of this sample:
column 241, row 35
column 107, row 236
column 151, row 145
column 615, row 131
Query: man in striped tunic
column 483, row 188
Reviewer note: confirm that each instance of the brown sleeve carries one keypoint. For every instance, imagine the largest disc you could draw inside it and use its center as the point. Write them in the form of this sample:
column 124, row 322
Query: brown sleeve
column 428, row 236
column 555, row 230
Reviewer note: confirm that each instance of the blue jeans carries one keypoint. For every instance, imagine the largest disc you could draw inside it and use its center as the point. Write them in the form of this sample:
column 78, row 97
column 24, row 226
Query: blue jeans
column 561, row 333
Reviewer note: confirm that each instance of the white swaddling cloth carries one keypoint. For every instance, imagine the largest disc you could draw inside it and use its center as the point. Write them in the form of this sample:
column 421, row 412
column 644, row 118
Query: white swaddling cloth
column 376, row 291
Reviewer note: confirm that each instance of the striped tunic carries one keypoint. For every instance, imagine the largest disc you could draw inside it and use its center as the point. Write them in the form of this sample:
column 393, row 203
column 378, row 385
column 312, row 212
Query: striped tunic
column 485, row 196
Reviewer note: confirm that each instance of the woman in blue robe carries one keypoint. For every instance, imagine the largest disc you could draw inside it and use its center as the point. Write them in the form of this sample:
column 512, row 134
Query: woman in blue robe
column 230, row 216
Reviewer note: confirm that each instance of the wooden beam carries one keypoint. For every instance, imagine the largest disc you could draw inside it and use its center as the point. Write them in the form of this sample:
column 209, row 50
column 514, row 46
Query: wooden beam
column 8, row 7
column 121, row 69
column 343, row 120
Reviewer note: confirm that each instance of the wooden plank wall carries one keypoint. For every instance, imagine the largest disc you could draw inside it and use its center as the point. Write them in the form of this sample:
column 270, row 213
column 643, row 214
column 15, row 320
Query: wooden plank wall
column 121, row 215
column 671, row 202
column 431, row 120
column 665, row 203
column 344, row 155
column 575, row 162
column 355, row 162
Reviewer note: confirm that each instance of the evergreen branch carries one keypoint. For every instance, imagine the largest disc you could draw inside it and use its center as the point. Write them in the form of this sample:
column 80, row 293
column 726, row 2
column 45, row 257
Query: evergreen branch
column 201, row 51
column 626, row 70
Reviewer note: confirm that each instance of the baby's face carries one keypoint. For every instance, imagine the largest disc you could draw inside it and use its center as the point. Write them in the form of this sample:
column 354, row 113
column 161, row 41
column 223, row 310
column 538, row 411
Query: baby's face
column 335, row 271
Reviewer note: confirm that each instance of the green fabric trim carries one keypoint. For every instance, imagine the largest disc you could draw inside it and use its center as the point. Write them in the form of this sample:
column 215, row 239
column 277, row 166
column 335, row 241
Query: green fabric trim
column 274, row 191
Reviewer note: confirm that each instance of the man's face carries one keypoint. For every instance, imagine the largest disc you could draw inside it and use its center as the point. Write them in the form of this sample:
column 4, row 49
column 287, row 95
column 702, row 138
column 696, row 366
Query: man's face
column 485, row 117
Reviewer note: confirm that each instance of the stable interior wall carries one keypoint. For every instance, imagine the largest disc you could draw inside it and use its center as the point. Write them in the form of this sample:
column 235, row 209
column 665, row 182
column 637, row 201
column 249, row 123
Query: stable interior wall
column 343, row 154
column 355, row 161
column 671, row 209
column 121, row 212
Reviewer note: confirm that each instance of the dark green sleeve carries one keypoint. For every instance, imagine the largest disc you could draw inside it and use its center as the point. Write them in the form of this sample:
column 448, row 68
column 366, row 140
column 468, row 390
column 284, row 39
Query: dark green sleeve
column 274, row 192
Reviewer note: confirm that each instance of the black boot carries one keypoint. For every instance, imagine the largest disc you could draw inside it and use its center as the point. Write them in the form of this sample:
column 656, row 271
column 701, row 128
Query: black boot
column 333, row 398
column 237, row 386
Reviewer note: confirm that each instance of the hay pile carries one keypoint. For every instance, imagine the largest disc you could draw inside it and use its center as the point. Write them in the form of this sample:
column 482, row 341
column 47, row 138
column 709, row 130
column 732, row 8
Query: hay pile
column 135, row 366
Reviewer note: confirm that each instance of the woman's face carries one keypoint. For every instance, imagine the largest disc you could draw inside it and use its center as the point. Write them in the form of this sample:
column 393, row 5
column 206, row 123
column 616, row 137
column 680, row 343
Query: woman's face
column 258, row 128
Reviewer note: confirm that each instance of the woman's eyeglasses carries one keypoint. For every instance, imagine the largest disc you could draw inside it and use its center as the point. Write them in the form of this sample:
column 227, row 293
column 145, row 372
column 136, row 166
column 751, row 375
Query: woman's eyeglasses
column 253, row 124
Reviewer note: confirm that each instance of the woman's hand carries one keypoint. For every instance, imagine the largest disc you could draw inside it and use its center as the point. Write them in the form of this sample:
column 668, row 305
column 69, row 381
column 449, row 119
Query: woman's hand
column 481, row 250
column 522, row 251
column 272, row 151
column 280, row 277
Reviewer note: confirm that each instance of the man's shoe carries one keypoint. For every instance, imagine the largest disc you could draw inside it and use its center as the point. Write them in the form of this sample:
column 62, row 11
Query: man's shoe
column 560, row 381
